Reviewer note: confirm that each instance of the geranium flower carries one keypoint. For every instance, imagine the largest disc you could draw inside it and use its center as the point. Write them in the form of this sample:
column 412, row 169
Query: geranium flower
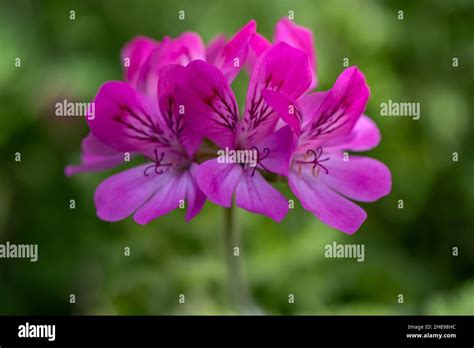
column 211, row 105
column 177, row 92
column 322, row 175
column 144, row 58
column 129, row 121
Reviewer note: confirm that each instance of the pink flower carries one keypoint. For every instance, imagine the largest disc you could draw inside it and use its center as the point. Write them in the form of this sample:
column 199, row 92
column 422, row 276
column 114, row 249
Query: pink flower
column 177, row 93
column 129, row 121
column 212, row 108
column 322, row 174
column 144, row 58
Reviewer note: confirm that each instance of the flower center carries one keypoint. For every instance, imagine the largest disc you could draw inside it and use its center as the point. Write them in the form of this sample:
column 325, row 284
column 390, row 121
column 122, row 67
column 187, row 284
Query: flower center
column 316, row 161
column 158, row 163
column 260, row 157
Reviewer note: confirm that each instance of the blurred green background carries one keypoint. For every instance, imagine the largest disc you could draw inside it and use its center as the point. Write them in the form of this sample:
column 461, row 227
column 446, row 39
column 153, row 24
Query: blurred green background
column 407, row 251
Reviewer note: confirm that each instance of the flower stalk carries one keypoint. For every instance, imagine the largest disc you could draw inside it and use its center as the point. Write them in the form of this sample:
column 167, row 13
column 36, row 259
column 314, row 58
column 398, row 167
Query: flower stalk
column 237, row 287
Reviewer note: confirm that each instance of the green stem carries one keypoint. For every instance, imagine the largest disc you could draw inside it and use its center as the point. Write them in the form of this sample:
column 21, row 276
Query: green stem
column 238, row 290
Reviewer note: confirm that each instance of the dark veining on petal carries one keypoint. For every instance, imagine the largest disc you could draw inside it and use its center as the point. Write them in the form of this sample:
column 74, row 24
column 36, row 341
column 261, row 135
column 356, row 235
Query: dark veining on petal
column 144, row 128
column 259, row 111
column 174, row 120
column 331, row 119
column 227, row 115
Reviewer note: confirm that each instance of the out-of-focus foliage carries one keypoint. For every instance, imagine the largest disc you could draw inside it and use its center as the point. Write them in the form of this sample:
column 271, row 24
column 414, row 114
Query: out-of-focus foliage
column 408, row 251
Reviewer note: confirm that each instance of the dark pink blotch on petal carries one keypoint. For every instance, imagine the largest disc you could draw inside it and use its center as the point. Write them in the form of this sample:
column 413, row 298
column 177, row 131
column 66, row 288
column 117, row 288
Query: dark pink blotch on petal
column 299, row 37
column 327, row 205
column 255, row 194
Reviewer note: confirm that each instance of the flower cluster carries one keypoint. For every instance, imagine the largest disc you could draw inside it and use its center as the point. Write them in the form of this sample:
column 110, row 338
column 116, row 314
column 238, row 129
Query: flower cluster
column 177, row 108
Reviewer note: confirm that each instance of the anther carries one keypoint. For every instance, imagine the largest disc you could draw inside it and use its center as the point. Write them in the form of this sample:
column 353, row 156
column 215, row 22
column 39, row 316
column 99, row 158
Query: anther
column 266, row 153
column 158, row 163
column 316, row 161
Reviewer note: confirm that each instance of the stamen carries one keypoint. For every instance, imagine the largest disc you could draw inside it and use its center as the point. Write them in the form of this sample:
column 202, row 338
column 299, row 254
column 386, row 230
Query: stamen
column 260, row 158
column 158, row 163
column 316, row 161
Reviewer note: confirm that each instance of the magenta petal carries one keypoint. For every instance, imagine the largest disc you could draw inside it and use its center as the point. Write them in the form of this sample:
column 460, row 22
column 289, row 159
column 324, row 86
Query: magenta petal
column 282, row 68
column 125, row 120
column 166, row 198
column 364, row 136
column 285, row 107
column 173, row 117
column 121, row 194
column 234, row 53
column 214, row 49
column 195, row 198
column 341, row 108
column 209, row 103
column 182, row 50
column 309, row 104
column 95, row 156
column 258, row 45
column 255, row 194
column 299, row 37
column 218, row 181
column 93, row 166
column 361, row 178
column 136, row 51
column 327, row 205
column 94, row 147
column 280, row 147
column 149, row 196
